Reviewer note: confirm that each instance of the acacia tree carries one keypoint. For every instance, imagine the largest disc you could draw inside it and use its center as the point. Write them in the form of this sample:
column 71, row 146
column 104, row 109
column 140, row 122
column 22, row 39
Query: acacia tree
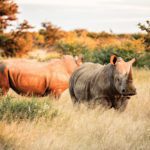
column 20, row 40
column 51, row 33
column 8, row 11
column 146, row 27
column 22, row 28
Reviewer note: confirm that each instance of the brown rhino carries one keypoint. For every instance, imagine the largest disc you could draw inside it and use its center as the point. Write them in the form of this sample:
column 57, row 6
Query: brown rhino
column 110, row 85
column 29, row 77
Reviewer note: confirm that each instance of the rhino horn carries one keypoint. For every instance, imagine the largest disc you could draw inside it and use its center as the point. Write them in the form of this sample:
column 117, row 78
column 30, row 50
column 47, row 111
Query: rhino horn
column 130, row 74
column 132, row 61
column 130, row 71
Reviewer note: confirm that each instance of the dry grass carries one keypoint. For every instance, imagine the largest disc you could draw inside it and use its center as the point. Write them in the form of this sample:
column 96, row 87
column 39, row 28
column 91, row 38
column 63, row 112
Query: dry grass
column 86, row 129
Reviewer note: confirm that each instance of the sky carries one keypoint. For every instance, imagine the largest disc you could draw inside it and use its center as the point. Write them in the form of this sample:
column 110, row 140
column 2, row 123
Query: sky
column 119, row 16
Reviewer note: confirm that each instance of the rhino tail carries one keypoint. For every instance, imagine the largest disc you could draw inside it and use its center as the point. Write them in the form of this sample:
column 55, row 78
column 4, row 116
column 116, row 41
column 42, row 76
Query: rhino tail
column 71, row 91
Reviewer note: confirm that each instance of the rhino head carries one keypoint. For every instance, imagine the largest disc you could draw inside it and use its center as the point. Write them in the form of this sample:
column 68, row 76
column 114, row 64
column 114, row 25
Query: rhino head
column 123, row 80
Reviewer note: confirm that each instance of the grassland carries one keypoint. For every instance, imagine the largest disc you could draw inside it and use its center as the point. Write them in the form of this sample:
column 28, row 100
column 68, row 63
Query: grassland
column 46, row 123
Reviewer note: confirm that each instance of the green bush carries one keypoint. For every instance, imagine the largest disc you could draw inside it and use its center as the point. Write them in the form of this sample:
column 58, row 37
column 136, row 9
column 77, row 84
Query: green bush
column 17, row 110
column 103, row 56
column 72, row 49
column 143, row 60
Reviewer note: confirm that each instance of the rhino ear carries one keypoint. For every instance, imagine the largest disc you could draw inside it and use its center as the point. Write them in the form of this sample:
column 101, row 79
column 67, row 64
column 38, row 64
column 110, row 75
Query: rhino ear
column 113, row 59
column 76, row 58
column 79, row 60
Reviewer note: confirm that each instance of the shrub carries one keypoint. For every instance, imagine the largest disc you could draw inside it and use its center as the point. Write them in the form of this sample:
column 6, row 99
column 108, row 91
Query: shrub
column 137, row 36
column 14, row 44
column 146, row 28
column 76, row 42
column 51, row 34
column 71, row 49
column 144, row 60
column 38, row 40
column 102, row 34
column 17, row 110
column 103, row 56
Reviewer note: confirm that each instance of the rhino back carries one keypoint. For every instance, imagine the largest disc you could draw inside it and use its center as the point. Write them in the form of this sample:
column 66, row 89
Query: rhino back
column 91, row 81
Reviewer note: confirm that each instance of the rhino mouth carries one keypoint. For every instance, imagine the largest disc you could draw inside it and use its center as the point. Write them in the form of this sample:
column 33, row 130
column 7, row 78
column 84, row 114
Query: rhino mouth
column 129, row 94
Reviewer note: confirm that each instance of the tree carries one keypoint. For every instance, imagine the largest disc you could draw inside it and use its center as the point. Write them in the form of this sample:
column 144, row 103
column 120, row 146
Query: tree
column 8, row 11
column 22, row 28
column 19, row 41
column 51, row 33
column 146, row 27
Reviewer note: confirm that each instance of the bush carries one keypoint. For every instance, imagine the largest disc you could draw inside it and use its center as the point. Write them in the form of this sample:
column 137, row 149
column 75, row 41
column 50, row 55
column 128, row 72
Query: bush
column 14, row 44
column 103, row 56
column 76, row 42
column 17, row 110
column 127, row 49
column 102, row 34
column 51, row 34
column 71, row 49
column 144, row 60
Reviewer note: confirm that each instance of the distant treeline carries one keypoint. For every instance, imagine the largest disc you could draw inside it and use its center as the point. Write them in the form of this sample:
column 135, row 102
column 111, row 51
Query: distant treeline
column 96, row 47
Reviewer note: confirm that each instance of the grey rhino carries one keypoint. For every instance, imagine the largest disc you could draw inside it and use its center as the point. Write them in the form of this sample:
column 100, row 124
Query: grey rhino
column 110, row 85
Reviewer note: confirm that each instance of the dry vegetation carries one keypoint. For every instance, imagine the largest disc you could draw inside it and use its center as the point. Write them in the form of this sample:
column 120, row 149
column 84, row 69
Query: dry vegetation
column 45, row 123
column 83, row 128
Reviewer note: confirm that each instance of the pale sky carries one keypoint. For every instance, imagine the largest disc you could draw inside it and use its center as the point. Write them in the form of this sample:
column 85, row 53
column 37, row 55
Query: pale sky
column 121, row 16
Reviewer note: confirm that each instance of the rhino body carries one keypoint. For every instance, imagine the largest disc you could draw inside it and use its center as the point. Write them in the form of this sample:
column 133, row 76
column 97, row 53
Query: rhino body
column 29, row 77
column 96, row 83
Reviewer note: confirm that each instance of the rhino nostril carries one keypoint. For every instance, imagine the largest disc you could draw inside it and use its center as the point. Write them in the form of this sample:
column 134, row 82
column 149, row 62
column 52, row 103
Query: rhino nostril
column 123, row 91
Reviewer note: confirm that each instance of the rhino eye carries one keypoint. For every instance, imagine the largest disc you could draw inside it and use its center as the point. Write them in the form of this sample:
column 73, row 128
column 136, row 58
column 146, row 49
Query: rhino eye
column 117, row 80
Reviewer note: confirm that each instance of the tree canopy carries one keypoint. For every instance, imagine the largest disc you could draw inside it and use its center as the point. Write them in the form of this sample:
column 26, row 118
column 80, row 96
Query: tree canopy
column 8, row 11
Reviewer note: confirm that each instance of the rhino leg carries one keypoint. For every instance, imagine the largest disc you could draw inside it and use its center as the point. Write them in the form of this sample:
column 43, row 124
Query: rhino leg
column 4, row 81
column 57, row 93
column 5, row 90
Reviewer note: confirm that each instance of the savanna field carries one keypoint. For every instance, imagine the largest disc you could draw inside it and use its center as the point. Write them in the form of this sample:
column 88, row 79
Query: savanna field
column 34, row 123
column 47, row 123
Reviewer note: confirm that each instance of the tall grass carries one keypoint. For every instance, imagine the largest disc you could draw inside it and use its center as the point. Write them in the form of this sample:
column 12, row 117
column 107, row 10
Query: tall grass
column 14, row 109
column 83, row 128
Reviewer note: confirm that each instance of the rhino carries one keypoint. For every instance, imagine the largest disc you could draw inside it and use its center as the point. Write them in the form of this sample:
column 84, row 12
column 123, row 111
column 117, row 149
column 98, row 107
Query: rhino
column 29, row 77
column 110, row 85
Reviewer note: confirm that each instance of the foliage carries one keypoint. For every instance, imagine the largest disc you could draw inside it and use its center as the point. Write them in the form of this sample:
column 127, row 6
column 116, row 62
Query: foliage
column 8, row 10
column 38, row 40
column 100, row 50
column 51, row 33
column 146, row 28
column 122, row 44
column 137, row 36
column 24, row 26
column 11, row 109
column 103, row 56
column 143, row 60
column 76, row 42
column 17, row 42
column 102, row 34
column 71, row 49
